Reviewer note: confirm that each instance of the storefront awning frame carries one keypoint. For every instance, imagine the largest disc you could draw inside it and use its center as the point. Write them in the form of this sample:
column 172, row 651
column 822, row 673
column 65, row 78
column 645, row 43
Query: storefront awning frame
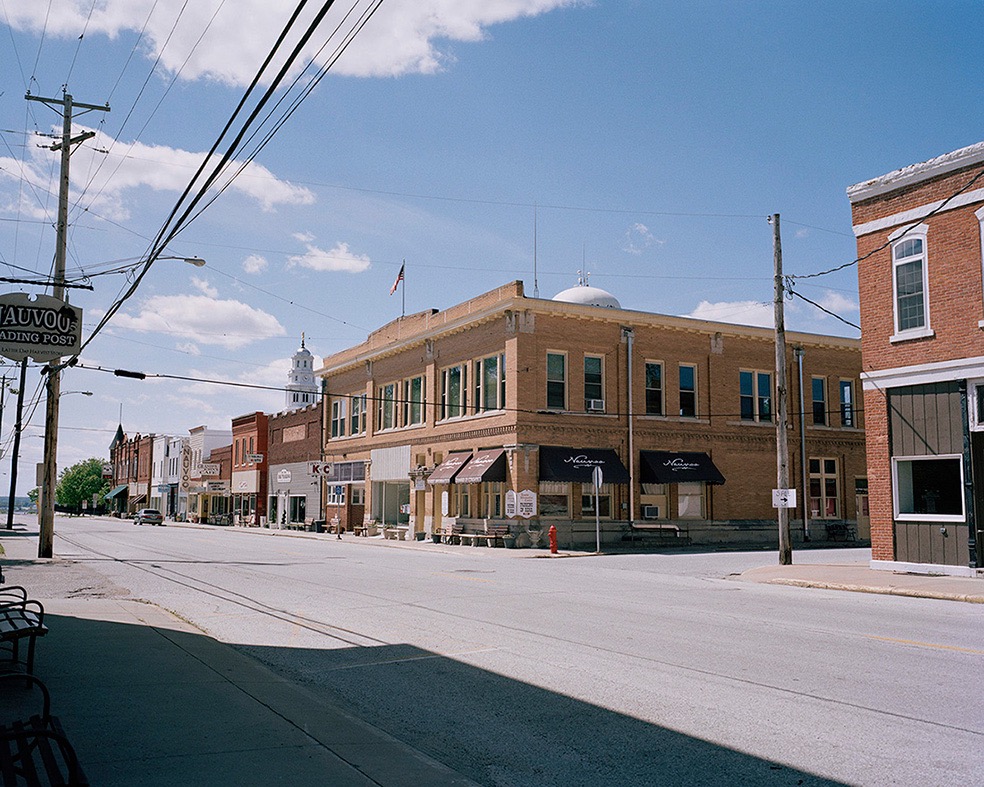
column 487, row 465
column 445, row 472
column 576, row 465
column 674, row 467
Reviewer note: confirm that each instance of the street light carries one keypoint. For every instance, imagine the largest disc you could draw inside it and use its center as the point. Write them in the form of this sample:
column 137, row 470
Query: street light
column 198, row 262
column 84, row 393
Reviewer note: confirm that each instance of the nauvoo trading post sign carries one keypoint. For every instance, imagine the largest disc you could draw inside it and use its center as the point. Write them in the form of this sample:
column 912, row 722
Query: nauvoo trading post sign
column 42, row 328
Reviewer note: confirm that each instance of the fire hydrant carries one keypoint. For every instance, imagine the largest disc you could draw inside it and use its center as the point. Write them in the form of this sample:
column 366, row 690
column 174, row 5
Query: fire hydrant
column 552, row 534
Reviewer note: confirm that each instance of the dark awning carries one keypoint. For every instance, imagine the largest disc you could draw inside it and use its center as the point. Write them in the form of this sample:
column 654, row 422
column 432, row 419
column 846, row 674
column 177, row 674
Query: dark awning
column 138, row 498
column 445, row 472
column 115, row 491
column 577, row 464
column 673, row 467
column 487, row 465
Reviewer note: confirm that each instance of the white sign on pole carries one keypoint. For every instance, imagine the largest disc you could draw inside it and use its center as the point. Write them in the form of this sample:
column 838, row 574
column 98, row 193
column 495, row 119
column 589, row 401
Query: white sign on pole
column 597, row 477
column 784, row 498
column 527, row 503
column 39, row 327
column 511, row 503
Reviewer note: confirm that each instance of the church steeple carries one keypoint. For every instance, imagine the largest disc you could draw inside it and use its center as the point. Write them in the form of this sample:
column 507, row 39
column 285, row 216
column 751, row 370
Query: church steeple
column 302, row 389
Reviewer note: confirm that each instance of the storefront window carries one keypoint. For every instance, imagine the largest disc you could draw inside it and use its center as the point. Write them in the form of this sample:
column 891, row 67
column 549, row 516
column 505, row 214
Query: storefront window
column 493, row 499
column 604, row 501
column 298, row 508
column 690, row 500
column 929, row 488
column 824, row 492
column 555, row 499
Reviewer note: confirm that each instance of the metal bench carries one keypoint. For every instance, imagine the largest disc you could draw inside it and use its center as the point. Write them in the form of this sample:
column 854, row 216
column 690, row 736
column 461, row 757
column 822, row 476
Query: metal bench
column 20, row 618
column 35, row 751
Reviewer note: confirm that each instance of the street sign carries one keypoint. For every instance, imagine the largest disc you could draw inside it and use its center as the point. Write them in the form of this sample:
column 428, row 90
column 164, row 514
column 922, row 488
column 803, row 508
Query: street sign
column 254, row 459
column 597, row 477
column 43, row 328
column 784, row 498
column 320, row 468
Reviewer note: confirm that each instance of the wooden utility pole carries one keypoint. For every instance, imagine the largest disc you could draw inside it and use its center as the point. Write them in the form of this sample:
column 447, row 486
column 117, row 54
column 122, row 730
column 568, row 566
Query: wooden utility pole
column 782, row 416
column 46, row 503
column 16, row 449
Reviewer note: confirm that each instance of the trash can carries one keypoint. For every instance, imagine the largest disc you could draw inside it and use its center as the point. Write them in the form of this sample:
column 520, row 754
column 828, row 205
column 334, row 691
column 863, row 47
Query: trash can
column 319, row 526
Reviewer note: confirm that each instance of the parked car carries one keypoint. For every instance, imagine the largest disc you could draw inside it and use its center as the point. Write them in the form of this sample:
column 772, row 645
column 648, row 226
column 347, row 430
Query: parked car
column 148, row 516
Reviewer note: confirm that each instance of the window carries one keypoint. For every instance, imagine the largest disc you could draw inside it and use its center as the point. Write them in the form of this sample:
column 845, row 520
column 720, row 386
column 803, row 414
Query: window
column 338, row 418
column 594, row 383
column 556, row 381
column 490, row 384
column 235, row 449
column 454, row 383
column 298, row 509
column 824, row 489
column 688, row 391
column 492, row 504
column 358, row 418
column 929, row 488
column 604, row 501
column 555, row 499
column 386, row 407
column 755, row 396
column 910, row 282
column 357, row 495
column 690, row 500
column 654, row 388
column 460, row 500
column 413, row 401
column 819, row 386
column 847, row 403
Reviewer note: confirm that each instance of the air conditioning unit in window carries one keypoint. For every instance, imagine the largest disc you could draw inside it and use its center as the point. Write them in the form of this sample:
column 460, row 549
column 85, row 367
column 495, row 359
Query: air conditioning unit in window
column 650, row 512
column 595, row 405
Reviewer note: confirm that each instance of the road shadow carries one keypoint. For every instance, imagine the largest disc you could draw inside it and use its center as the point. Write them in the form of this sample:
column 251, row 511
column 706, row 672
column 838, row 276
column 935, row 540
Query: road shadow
column 148, row 705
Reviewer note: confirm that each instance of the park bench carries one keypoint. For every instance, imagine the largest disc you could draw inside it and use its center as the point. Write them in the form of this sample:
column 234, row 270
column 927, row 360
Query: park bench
column 365, row 530
column 491, row 535
column 451, row 532
column 396, row 533
column 20, row 618
column 35, row 751
column 840, row 531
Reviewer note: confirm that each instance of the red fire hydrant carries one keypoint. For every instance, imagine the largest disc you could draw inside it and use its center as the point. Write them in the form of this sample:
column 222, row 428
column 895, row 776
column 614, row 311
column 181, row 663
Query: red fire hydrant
column 552, row 534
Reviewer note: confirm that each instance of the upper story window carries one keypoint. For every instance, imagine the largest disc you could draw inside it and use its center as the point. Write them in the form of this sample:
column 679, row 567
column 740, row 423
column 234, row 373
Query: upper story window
column 337, row 417
column 357, row 420
column 654, row 388
column 556, row 381
column 454, row 384
column 594, row 383
column 819, row 385
column 688, row 390
column 755, row 396
column 386, row 406
column 910, row 284
column 413, row 401
column 490, row 384
column 847, row 403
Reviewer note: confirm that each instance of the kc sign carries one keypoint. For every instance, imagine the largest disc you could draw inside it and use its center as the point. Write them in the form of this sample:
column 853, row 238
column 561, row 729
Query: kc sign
column 42, row 328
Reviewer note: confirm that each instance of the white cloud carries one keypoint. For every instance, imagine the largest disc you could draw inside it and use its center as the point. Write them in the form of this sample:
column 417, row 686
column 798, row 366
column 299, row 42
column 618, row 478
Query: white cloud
column 403, row 37
column 837, row 303
column 127, row 167
column 738, row 312
column 189, row 347
column 336, row 259
column 303, row 237
column 204, row 287
column 203, row 320
column 638, row 237
column 255, row 264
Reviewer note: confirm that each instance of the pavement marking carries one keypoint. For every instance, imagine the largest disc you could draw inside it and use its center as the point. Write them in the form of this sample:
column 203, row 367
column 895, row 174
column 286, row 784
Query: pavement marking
column 459, row 576
column 932, row 645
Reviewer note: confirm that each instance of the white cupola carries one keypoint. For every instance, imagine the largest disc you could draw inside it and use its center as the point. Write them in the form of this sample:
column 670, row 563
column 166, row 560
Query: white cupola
column 302, row 389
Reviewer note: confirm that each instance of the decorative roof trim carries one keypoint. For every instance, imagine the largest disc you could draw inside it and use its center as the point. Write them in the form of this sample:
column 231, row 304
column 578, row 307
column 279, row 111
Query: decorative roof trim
column 915, row 173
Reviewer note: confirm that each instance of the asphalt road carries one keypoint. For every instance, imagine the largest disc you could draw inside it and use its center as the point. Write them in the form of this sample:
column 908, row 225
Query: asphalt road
column 626, row 669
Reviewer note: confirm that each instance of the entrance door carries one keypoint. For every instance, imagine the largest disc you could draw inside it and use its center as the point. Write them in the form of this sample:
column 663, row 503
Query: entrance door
column 977, row 469
column 861, row 507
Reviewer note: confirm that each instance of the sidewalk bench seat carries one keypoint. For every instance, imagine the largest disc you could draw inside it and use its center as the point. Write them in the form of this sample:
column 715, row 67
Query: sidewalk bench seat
column 35, row 751
column 492, row 534
column 21, row 618
column 396, row 533
column 451, row 533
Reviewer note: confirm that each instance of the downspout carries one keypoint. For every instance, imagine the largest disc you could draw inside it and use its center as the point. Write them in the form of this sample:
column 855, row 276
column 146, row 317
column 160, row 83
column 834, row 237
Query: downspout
column 629, row 336
column 799, row 353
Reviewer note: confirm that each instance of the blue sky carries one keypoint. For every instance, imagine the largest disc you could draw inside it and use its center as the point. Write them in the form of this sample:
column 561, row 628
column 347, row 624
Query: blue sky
column 653, row 138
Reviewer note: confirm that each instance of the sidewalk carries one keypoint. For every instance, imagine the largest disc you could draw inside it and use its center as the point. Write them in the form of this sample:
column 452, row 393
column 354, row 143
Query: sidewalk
column 147, row 699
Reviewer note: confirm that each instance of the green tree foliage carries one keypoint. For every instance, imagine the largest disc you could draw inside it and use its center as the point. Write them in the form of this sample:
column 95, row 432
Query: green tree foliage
column 80, row 482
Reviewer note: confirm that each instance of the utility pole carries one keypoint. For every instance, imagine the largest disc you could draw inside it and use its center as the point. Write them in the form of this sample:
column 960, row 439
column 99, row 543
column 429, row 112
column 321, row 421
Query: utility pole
column 782, row 417
column 46, row 502
column 16, row 449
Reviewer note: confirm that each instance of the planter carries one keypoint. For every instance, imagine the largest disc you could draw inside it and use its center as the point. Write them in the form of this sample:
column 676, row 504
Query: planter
column 509, row 540
column 419, row 536
column 436, row 537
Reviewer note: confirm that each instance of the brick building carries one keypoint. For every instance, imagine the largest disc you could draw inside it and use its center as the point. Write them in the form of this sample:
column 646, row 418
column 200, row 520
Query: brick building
column 250, row 433
column 294, row 493
column 497, row 410
column 919, row 234
column 132, row 460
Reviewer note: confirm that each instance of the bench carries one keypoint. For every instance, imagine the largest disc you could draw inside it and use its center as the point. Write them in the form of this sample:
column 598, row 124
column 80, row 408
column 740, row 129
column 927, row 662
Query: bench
column 20, row 618
column 364, row 530
column 35, row 751
column 396, row 533
column 840, row 531
column 492, row 534
column 451, row 533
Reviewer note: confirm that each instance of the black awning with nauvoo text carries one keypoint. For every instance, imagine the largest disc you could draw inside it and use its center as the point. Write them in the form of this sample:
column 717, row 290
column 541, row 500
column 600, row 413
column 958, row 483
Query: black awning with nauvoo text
column 576, row 465
column 674, row 467
column 445, row 472
column 488, row 465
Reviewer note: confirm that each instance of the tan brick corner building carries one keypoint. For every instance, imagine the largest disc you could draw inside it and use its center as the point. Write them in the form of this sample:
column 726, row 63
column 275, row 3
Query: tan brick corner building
column 496, row 411
column 919, row 232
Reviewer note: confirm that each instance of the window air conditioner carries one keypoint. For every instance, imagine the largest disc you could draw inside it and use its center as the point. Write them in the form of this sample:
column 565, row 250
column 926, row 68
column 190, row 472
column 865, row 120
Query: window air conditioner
column 595, row 405
column 650, row 512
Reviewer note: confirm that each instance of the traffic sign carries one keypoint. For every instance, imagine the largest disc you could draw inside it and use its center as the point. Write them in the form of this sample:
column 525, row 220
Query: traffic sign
column 784, row 498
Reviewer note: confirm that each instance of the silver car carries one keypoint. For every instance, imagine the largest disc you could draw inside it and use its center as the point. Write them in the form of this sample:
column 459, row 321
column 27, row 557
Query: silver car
column 148, row 516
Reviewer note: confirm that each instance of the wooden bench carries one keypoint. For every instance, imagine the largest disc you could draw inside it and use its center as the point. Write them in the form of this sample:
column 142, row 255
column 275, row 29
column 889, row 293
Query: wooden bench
column 451, row 533
column 364, row 530
column 35, row 751
column 20, row 618
column 398, row 533
column 840, row 531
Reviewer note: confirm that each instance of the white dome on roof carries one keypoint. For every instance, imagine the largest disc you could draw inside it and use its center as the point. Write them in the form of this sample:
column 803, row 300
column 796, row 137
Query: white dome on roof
column 587, row 295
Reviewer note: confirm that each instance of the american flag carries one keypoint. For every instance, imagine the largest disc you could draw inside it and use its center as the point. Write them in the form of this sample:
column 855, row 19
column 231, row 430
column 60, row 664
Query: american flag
column 399, row 278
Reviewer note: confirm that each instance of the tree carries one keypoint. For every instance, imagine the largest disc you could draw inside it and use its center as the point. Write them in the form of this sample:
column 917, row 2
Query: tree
column 79, row 483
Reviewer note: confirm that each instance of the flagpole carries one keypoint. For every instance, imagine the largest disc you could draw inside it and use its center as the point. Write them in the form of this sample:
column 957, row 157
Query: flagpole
column 403, row 289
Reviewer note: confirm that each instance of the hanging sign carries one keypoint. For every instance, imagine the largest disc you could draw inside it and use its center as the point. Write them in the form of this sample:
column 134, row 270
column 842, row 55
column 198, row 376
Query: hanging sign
column 42, row 328
column 511, row 503
column 527, row 503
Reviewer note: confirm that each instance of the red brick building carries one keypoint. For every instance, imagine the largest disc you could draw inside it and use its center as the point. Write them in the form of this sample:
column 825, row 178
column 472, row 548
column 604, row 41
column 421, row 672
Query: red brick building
column 249, row 468
column 294, row 492
column 132, row 460
column 919, row 233
column 496, row 411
